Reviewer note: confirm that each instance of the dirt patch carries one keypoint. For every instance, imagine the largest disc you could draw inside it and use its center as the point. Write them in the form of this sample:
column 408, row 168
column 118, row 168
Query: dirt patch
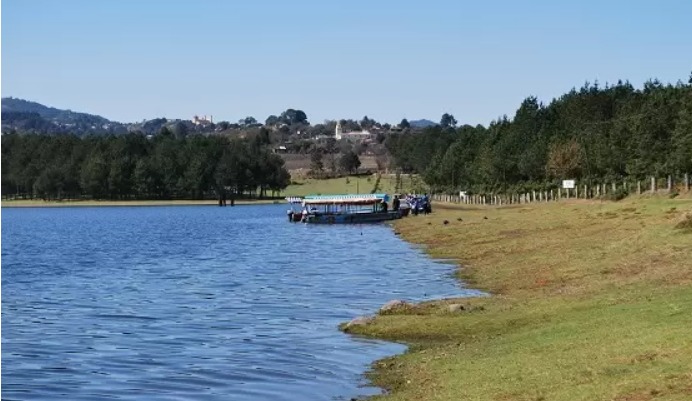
column 512, row 233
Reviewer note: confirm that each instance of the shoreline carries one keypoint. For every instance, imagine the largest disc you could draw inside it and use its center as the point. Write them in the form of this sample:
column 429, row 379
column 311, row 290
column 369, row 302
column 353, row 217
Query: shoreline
column 131, row 203
column 533, row 336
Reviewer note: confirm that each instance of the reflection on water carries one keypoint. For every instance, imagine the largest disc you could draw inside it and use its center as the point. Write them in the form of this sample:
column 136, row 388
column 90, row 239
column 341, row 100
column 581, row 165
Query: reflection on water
column 204, row 303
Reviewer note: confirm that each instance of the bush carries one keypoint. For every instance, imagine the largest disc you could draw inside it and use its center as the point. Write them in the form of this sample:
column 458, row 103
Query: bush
column 619, row 194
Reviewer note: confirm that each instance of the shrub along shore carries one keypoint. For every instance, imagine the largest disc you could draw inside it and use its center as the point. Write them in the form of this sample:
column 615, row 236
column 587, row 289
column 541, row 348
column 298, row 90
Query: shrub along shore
column 589, row 301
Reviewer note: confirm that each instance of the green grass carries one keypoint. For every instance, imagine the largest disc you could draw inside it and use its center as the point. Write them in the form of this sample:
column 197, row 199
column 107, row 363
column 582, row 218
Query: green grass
column 349, row 185
column 590, row 301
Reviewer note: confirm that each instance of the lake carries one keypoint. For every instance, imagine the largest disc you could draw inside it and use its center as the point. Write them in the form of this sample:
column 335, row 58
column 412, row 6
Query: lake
column 197, row 302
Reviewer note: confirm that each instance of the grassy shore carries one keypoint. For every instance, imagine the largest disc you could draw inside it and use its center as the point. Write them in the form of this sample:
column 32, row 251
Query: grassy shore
column 93, row 203
column 589, row 301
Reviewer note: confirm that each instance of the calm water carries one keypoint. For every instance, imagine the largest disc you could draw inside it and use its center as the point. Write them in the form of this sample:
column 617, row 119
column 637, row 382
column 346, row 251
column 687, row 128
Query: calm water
column 203, row 303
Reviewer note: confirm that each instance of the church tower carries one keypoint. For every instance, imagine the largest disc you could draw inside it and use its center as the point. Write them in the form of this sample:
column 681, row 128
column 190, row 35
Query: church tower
column 337, row 134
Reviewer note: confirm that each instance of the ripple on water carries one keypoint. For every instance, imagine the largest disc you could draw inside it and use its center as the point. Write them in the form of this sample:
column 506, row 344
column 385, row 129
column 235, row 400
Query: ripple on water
column 201, row 303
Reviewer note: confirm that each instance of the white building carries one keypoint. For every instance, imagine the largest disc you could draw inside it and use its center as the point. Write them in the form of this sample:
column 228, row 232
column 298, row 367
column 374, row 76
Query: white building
column 202, row 121
column 353, row 135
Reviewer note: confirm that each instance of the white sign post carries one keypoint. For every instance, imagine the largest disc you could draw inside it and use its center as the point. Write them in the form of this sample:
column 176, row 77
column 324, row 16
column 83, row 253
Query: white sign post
column 568, row 184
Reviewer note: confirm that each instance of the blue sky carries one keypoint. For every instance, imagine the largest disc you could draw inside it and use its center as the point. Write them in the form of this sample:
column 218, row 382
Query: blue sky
column 134, row 59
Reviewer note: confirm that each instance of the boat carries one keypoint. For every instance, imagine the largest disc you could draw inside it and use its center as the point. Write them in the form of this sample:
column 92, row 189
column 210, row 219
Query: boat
column 343, row 209
column 293, row 214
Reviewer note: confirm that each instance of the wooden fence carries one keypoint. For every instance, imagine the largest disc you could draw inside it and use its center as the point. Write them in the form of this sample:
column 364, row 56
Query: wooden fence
column 580, row 191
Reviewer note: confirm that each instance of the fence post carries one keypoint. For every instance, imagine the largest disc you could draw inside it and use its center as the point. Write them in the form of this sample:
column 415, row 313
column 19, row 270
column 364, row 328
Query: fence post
column 639, row 187
column 670, row 183
column 598, row 190
column 586, row 192
column 605, row 189
column 687, row 182
column 653, row 184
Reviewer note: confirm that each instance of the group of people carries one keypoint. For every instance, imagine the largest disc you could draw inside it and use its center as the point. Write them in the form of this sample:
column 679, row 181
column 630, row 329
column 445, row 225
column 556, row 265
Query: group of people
column 417, row 203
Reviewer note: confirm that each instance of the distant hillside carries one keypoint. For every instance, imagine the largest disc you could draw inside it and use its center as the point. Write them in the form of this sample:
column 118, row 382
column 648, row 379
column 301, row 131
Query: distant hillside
column 423, row 123
column 24, row 115
column 10, row 104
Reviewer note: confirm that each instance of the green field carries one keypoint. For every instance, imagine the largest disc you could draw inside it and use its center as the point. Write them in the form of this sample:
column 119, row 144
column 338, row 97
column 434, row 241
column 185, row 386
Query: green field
column 589, row 301
column 352, row 185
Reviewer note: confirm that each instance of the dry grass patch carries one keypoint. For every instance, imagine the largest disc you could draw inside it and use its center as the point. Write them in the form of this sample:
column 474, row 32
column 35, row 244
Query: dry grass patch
column 685, row 223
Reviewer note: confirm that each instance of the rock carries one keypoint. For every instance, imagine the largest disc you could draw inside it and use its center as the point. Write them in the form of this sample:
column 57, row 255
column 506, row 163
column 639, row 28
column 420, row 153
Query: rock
column 445, row 222
column 393, row 305
column 485, row 217
column 460, row 219
column 359, row 321
column 454, row 308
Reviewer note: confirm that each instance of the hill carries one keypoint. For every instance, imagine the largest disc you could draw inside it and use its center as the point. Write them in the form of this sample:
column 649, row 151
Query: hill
column 10, row 104
column 20, row 114
column 423, row 123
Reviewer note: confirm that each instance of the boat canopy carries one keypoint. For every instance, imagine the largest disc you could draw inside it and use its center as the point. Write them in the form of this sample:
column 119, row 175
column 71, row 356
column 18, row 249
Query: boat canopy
column 294, row 199
column 352, row 199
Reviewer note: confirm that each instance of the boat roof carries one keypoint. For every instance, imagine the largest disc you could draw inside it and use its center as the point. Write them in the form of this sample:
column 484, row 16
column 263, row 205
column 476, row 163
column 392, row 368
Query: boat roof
column 348, row 199
column 294, row 199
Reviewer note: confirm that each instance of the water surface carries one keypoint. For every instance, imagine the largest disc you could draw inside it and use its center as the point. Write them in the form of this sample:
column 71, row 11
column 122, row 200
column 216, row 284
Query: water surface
column 196, row 302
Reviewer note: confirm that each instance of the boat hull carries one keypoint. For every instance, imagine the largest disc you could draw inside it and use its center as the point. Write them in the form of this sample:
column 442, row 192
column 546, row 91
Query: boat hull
column 352, row 218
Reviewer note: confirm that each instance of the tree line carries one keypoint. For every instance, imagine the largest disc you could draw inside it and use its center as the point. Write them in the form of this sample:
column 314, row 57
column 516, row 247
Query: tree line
column 135, row 166
column 594, row 134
